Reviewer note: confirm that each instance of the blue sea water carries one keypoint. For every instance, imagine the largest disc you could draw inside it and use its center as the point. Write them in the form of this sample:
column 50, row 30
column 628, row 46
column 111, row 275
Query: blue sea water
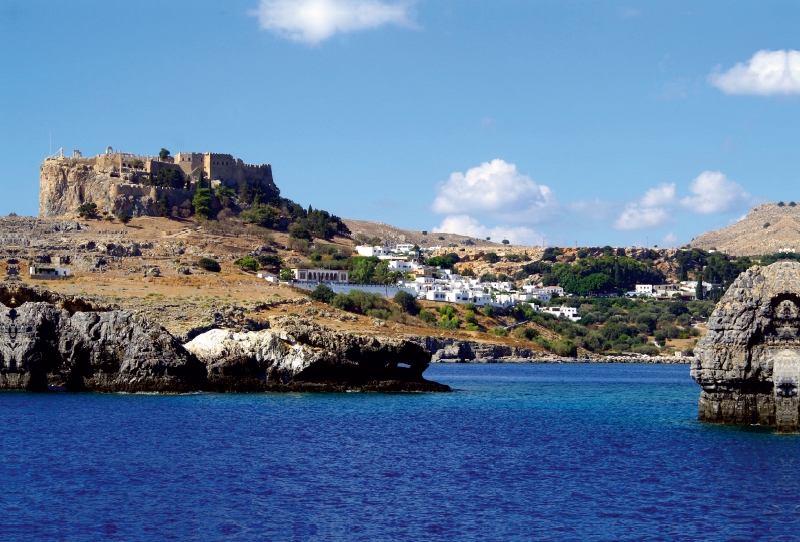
column 519, row 452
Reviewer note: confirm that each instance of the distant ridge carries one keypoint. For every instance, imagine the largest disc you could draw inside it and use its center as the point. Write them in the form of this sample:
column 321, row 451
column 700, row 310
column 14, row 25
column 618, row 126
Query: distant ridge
column 768, row 228
column 393, row 234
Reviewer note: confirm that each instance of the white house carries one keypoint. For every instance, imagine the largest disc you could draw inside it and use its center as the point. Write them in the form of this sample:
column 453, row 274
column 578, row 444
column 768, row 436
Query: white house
column 436, row 295
column 644, row 289
column 404, row 248
column 320, row 275
column 403, row 266
column 563, row 312
column 380, row 252
column 269, row 277
column 554, row 291
column 40, row 272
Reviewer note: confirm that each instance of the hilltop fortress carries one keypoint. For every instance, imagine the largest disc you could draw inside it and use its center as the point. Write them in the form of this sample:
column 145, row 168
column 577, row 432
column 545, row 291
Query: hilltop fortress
column 117, row 181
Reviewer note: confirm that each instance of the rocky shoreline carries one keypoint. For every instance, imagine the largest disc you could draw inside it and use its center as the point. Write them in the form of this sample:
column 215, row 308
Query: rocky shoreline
column 50, row 341
column 449, row 350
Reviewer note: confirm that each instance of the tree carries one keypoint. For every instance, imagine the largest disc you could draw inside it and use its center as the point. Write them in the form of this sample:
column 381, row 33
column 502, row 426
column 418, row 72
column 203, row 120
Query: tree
column 407, row 302
column 698, row 291
column 323, row 293
column 168, row 176
column 266, row 216
column 617, row 274
column 124, row 217
column 137, row 164
column 163, row 154
column 297, row 231
column 491, row 257
column 247, row 264
column 202, row 203
column 245, row 193
column 209, row 264
column 163, row 205
column 286, row 274
column 87, row 210
column 224, row 195
column 424, row 232
column 505, row 241
column 200, row 181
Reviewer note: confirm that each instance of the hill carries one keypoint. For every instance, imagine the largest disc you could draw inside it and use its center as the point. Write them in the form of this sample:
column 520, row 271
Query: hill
column 395, row 235
column 767, row 229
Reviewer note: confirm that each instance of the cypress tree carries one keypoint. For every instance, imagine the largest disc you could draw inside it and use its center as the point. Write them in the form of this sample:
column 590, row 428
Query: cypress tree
column 617, row 274
column 698, row 291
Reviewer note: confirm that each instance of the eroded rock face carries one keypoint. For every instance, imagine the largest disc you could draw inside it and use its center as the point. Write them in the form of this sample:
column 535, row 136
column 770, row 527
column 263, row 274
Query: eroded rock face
column 297, row 353
column 748, row 364
column 53, row 341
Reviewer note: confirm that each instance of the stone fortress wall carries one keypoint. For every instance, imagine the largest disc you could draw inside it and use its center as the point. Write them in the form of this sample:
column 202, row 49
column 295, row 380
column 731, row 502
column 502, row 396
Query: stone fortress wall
column 113, row 180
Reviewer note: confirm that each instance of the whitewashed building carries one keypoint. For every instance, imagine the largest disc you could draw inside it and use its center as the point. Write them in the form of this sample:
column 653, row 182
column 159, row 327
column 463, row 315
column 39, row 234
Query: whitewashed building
column 320, row 275
column 47, row 272
column 570, row 313
column 379, row 252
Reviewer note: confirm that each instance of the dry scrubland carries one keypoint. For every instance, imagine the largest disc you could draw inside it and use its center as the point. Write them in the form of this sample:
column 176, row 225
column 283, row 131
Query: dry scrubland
column 231, row 297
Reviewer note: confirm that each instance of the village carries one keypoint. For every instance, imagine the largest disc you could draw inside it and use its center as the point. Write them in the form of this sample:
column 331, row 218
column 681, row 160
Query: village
column 444, row 285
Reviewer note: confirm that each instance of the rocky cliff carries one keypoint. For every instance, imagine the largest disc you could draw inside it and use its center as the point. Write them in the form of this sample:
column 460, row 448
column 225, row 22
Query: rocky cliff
column 748, row 364
column 65, row 343
column 64, row 185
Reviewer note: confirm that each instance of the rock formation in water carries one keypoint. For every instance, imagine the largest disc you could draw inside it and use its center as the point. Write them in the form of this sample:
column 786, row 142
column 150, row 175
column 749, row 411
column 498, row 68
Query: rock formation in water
column 748, row 364
column 53, row 341
column 299, row 354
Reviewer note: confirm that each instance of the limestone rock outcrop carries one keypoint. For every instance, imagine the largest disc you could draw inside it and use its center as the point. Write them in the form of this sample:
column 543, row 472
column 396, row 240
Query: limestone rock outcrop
column 296, row 353
column 53, row 341
column 748, row 364
column 66, row 343
column 65, row 185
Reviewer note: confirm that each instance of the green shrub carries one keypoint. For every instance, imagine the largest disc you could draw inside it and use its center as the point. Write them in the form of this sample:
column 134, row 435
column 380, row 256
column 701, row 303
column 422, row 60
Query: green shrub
column 564, row 348
column 265, row 216
column 87, row 210
column 247, row 263
column 470, row 306
column 526, row 333
column 488, row 311
column 470, row 318
column 500, row 331
column 209, row 264
column 383, row 314
column 647, row 349
column 427, row 317
column 407, row 302
column 472, row 327
column 448, row 323
column 323, row 293
column 269, row 260
column 541, row 341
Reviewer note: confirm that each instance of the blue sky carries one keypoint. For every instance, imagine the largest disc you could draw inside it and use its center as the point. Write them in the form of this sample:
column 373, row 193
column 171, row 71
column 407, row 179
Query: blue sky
column 602, row 123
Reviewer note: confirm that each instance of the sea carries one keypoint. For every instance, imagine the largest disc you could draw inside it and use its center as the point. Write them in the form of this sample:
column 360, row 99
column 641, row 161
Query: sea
column 516, row 452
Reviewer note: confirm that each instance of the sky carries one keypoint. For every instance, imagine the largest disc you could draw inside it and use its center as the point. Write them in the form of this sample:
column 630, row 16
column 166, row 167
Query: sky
column 589, row 123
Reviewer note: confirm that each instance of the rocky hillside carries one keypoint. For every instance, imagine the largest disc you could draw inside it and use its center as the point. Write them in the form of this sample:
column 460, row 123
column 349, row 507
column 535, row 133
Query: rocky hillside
column 394, row 235
column 768, row 228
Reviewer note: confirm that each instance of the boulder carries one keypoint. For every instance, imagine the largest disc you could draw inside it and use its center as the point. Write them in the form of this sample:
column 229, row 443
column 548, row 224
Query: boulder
column 297, row 353
column 748, row 364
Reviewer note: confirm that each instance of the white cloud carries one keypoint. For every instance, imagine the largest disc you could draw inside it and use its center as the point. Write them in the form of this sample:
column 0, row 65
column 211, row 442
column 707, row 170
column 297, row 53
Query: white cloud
column 313, row 21
column 466, row 225
column 663, row 194
column 715, row 193
column 635, row 217
column 495, row 189
column 650, row 211
column 669, row 240
column 768, row 72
